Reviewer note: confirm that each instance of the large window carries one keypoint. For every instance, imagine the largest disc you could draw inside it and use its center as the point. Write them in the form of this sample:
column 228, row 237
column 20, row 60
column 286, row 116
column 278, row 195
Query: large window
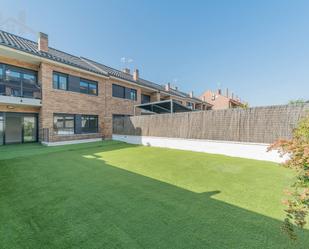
column 18, row 82
column 60, row 81
column 88, row 87
column 64, row 124
column 89, row 123
column 124, row 92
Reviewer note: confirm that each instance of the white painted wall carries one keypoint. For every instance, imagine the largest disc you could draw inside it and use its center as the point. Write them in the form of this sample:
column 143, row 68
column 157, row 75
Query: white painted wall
column 81, row 141
column 228, row 148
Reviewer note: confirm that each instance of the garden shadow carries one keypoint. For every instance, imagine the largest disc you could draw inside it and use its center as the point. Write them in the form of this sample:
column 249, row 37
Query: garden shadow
column 161, row 215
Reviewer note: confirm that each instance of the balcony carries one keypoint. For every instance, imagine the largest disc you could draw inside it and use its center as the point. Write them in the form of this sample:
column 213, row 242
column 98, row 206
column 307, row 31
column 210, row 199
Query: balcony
column 20, row 93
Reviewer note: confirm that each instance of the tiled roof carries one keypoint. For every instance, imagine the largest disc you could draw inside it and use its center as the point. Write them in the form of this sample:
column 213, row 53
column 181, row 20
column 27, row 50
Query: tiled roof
column 25, row 45
column 28, row 46
column 140, row 81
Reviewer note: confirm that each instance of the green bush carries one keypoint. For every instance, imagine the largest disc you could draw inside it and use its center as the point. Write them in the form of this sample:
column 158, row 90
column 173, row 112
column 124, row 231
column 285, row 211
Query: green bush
column 298, row 150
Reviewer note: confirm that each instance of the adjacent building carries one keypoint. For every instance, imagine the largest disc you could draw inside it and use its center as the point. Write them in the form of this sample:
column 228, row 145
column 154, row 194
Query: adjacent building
column 51, row 96
column 218, row 100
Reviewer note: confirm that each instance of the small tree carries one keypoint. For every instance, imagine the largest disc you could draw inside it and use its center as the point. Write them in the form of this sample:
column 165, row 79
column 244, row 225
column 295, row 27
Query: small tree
column 245, row 105
column 297, row 102
column 298, row 202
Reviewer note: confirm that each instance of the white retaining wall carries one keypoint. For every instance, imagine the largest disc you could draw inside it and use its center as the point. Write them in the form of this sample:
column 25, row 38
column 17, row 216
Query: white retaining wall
column 81, row 141
column 235, row 149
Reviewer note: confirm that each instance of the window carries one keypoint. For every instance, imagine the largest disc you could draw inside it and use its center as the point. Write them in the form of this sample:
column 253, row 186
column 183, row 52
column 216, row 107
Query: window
column 88, row 87
column 177, row 101
column 64, row 124
column 124, row 93
column 1, row 72
column 29, row 78
column 145, row 98
column 83, row 87
column 13, row 76
column 93, row 88
column 60, row 81
column 190, row 105
column 133, row 94
column 18, row 82
column 118, row 91
column 89, row 124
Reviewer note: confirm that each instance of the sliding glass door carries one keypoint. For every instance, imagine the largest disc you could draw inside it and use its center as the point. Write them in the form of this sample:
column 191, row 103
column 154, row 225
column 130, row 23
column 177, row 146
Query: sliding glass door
column 30, row 129
column 18, row 128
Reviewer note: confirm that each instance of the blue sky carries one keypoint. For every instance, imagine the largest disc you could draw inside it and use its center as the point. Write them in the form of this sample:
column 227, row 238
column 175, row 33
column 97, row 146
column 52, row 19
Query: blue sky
column 258, row 49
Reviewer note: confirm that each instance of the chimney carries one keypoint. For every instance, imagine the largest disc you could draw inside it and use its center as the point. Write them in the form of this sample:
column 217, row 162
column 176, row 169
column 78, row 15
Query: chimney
column 126, row 70
column 191, row 94
column 227, row 92
column 232, row 95
column 136, row 75
column 219, row 92
column 43, row 42
column 167, row 87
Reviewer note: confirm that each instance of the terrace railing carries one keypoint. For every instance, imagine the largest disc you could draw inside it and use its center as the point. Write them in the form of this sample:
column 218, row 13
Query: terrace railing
column 20, row 89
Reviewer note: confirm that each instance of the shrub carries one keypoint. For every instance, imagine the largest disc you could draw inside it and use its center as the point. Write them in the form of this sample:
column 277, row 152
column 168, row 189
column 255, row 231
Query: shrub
column 298, row 202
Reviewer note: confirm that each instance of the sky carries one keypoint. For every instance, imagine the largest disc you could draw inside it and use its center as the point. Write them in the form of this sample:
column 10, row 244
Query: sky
column 259, row 49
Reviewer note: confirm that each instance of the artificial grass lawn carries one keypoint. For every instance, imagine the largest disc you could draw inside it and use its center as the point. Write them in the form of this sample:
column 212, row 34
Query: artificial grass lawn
column 115, row 195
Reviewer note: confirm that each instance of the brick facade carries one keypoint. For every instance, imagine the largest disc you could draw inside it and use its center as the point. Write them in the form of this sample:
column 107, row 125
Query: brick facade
column 68, row 102
column 54, row 101
column 59, row 101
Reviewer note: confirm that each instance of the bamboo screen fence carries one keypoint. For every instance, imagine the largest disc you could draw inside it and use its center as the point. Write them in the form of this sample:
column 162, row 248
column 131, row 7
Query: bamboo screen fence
column 257, row 125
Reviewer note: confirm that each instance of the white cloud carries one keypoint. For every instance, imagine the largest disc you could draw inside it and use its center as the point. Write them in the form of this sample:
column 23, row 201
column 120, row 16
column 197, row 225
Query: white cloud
column 126, row 60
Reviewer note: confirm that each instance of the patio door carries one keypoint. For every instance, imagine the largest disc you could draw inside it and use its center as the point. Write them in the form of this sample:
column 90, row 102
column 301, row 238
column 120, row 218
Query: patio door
column 29, row 129
column 18, row 128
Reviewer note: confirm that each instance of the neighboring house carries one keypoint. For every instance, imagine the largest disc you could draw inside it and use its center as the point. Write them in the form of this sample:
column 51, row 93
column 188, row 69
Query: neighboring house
column 220, row 101
column 51, row 96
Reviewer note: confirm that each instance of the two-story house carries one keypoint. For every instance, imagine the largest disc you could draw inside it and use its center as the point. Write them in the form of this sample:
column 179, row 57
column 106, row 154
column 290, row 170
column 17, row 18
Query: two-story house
column 48, row 95
column 222, row 101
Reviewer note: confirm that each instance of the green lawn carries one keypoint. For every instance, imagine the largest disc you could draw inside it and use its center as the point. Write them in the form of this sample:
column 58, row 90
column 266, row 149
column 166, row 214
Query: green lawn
column 114, row 195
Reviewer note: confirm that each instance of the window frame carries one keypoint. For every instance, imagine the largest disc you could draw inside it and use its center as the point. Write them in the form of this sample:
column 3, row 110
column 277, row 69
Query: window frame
column 143, row 96
column 86, row 130
column 58, row 74
column 64, row 115
column 89, row 82
column 126, row 94
column 18, row 85
column 132, row 90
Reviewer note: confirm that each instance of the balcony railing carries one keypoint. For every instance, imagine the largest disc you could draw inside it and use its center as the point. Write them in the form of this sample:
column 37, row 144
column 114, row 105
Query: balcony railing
column 20, row 89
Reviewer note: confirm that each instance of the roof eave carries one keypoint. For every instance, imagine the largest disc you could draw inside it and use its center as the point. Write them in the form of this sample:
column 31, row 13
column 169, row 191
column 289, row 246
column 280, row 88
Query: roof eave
column 46, row 59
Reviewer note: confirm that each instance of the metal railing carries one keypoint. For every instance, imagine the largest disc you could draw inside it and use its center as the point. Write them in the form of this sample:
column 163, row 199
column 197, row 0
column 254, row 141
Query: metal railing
column 20, row 89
